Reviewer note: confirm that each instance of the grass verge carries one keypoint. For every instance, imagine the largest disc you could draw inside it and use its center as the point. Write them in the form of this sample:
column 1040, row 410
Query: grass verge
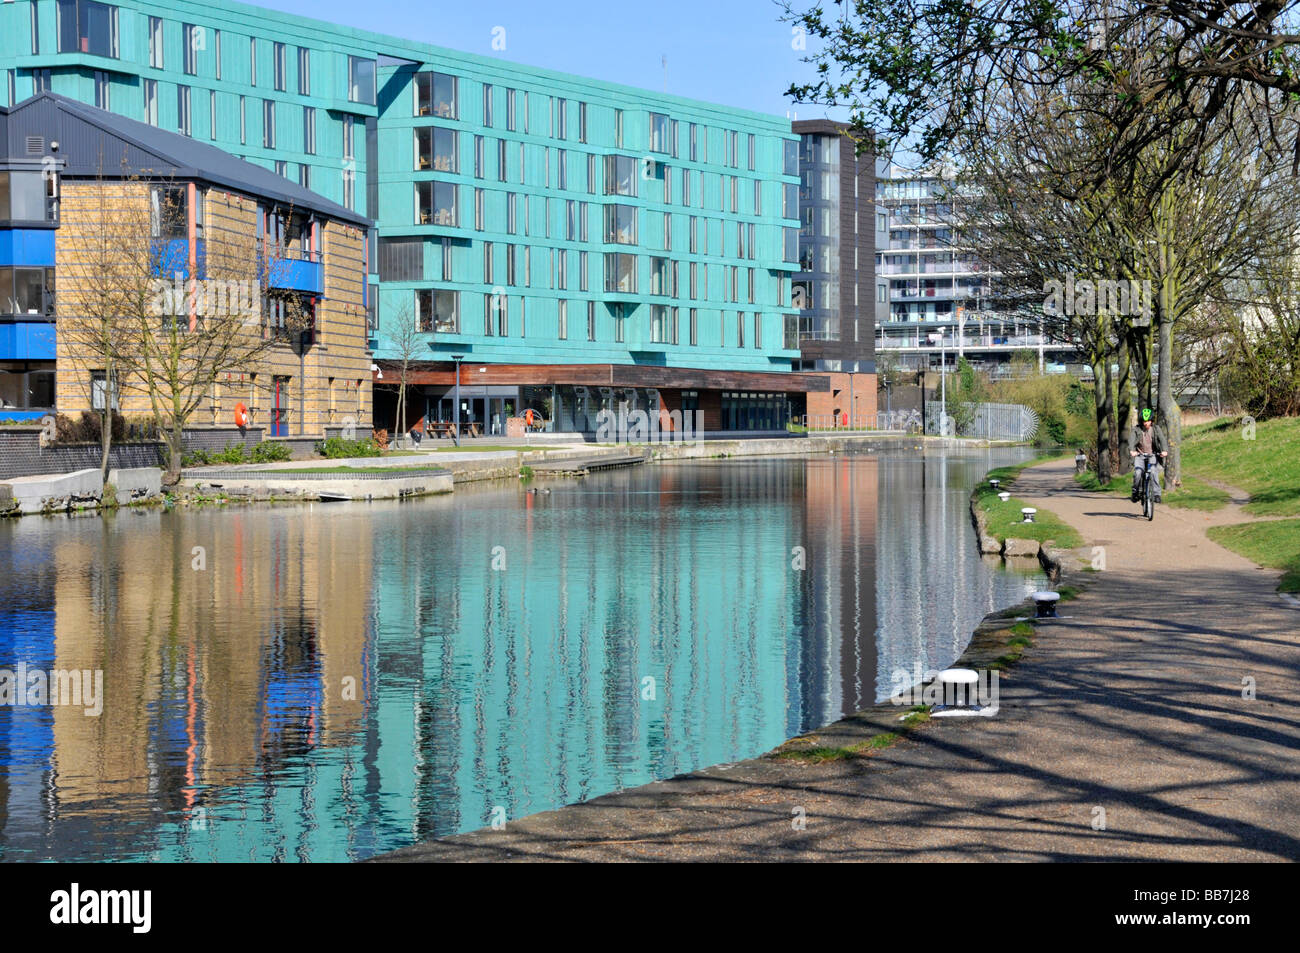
column 1267, row 467
column 1004, row 519
column 1275, row 544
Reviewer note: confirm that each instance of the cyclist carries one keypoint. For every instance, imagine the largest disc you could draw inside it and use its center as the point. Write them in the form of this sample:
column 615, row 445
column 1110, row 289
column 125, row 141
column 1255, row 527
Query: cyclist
column 1148, row 440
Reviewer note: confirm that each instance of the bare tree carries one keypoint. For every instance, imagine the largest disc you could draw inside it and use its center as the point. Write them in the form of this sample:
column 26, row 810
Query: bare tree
column 405, row 335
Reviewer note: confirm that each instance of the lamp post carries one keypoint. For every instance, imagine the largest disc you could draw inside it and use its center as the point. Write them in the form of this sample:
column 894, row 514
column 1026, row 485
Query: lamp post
column 456, row 400
column 943, row 377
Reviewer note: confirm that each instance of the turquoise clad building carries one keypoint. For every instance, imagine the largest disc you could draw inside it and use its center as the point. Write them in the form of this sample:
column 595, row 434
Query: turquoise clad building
column 564, row 245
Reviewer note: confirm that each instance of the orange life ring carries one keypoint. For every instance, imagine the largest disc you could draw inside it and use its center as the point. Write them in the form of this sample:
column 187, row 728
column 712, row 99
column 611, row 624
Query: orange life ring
column 528, row 416
column 241, row 416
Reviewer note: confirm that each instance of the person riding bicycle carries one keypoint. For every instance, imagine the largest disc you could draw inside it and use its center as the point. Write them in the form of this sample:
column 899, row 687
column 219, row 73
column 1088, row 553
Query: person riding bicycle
column 1148, row 440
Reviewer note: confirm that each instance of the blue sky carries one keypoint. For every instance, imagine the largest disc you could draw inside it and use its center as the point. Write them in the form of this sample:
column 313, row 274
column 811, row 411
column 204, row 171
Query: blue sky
column 734, row 52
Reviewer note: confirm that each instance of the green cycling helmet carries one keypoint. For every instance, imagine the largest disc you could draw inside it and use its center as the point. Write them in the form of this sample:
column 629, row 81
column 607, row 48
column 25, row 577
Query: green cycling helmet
column 1146, row 413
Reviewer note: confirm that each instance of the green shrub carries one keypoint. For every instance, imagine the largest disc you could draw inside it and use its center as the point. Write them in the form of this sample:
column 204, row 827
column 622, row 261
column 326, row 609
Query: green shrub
column 336, row 448
column 268, row 451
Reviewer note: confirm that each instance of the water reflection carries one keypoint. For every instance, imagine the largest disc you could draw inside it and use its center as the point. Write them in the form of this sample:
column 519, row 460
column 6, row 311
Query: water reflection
column 327, row 684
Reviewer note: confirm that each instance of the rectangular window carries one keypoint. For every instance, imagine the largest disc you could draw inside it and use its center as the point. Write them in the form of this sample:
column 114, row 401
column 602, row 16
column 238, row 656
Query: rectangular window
column 663, row 277
column 349, row 136
column 561, row 118
column 694, row 283
column 694, row 245
column 36, row 30
column 758, row 197
column 435, row 95
column 582, row 271
column 758, row 329
column 478, row 157
column 582, row 122
column 619, row 314
column 618, row 128
column 753, row 153
column 790, row 157
column 349, row 187
column 435, row 203
column 620, row 224
column 156, row 42
column 570, row 220
column 686, row 186
column 216, row 52
column 151, row 100
column 361, row 80
column 658, row 324
column 563, row 319
column 591, row 173
column 487, row 105
column 183, row 110
column 85, row 27
column 101, row 89
column 212, row 114
column 582, row 221
column 510, row 110
column 252, row 61
column 304, row 175
column 562, row 173
column 511, row 272
column 562, row 270
column 478, row 209
column 488, row 269
column 304, row 71
column 591, row 320
column 439, row 311
column 512, row 217
column 501, row 160
column 663, row 133
column 694, row 153
column 695, row 327
column 620, row 273
column 282, row 168
column 437, row 148
column 243, row 122
column 752, row 281
column 740, row 329
column 189, row 49
column 750, row 232
column 268, row 124
column 620, row 175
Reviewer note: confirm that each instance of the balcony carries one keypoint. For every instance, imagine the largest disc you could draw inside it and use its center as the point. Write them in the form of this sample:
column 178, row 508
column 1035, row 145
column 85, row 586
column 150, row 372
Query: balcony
column 26, row 341
column 305, row 274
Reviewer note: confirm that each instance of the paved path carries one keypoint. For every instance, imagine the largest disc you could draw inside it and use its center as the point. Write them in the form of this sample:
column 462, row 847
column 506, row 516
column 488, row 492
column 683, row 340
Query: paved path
column 1129, row 711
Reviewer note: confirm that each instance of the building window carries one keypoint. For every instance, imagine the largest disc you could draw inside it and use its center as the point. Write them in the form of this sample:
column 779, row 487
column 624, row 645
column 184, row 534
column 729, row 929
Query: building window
column 790, row 157
column 438, row 311
column 582, row 221
column 619, row 314
column 512, row 209
column 663, row 277
column 216, row 58
column 349, row 188
column 695, row 327
column 562, row 174
column 304, row 175
column 361, row 80
column 695, row 130
column 42, row 81
column 435, row 203
column 435, row 95
column 101, row 89
column 620, row 224
column 304, row 71
column 436, row 148
column 620, row 273
column 183, row 110
column 349, row 137
column 758, row 329
column 582, row 122
column 591, row 320
column 36, row 30
column 740, row 329
column 620, row 175
column 252, row 61
column 189, row 49
column 618, row 128
column 591, row 173
column 309, row 130
column 487, row 105
column 561, row 118
column 212, row 114
column 268, row 123
column 86, row 27
column 510, row 110
column 279, row 67
column 488, row 264
column 243, row 122
column 478, row 209
column 478, row 157
column 501, row 160
column 150, row 89
column 282, row 168
column 563, row 318
column 102, row 391
column 562, row 270
column 663, row 134
column 582, row 271
column 753, row 154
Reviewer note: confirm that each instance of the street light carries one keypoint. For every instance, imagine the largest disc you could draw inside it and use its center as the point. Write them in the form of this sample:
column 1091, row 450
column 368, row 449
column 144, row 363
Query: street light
column 943, row 377
column 455, row 429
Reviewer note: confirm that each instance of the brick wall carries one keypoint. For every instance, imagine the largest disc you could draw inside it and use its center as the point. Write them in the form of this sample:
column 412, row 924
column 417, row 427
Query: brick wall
column 21, row 454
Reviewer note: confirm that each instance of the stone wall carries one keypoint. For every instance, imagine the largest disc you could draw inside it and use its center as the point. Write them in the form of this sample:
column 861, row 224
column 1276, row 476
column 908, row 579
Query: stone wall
column 21, row 454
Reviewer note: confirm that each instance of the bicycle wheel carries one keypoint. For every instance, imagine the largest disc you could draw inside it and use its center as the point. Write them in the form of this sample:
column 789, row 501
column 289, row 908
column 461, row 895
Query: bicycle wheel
column 1148, row 499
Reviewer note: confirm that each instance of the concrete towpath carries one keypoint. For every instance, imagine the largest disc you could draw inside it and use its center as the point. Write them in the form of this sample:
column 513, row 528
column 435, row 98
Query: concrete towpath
column 1156, row 721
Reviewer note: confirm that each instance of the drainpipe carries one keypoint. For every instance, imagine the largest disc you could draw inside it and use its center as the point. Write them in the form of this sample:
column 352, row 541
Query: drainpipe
column 192, row 230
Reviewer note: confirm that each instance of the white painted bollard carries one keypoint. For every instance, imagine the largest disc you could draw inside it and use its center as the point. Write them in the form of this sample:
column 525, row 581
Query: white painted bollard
column 1028, row 513
column 1045, row 604
column 1004, row 496
column 958, row 686
column 995, row 483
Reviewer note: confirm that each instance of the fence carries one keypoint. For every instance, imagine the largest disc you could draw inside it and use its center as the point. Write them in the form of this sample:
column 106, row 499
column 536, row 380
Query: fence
column 904, row 421
column 991, row 421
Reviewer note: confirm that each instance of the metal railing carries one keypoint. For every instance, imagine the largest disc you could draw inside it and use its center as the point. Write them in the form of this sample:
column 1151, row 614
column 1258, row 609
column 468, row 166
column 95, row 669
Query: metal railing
column 904, row 421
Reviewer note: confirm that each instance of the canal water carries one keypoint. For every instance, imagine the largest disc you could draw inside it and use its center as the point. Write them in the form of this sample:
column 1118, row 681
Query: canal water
column 286, row 683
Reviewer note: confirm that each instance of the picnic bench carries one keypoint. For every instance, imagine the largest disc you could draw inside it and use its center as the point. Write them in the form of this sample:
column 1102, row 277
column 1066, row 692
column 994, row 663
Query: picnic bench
column 445, row 428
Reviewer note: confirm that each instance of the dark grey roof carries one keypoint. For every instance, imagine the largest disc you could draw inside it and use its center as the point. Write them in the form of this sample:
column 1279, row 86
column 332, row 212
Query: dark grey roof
column 94, row 142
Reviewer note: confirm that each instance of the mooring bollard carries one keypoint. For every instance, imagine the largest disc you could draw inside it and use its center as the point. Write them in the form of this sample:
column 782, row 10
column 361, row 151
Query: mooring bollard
column 995, row 483
column 1045, row 604
column 1004, row 496
column 1028, row 512
column 958, row 690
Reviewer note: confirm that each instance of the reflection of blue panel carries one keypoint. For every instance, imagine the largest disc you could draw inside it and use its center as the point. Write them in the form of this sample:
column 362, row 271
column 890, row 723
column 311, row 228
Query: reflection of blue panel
column 296, row 275
column 31, row 247
column 27, row 341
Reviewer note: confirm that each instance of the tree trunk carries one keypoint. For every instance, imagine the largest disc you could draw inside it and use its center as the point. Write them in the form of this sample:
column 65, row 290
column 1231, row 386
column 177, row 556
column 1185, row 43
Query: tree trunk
column 1102, row 415
column 175, row 450
column 1124, row 403
column 1112, row 434
column 1168, row 413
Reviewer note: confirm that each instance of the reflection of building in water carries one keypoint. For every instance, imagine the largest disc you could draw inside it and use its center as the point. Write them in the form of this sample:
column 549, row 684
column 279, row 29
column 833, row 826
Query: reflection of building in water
column 213, row 675
column 836, row 654
column 932, row 587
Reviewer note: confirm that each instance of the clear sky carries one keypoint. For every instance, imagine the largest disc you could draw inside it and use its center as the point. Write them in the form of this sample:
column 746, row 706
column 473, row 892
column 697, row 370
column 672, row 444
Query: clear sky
column 733, row 52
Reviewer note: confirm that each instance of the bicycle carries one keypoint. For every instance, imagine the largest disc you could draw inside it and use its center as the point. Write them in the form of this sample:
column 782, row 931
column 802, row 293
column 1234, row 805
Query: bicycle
column 1148, row 492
